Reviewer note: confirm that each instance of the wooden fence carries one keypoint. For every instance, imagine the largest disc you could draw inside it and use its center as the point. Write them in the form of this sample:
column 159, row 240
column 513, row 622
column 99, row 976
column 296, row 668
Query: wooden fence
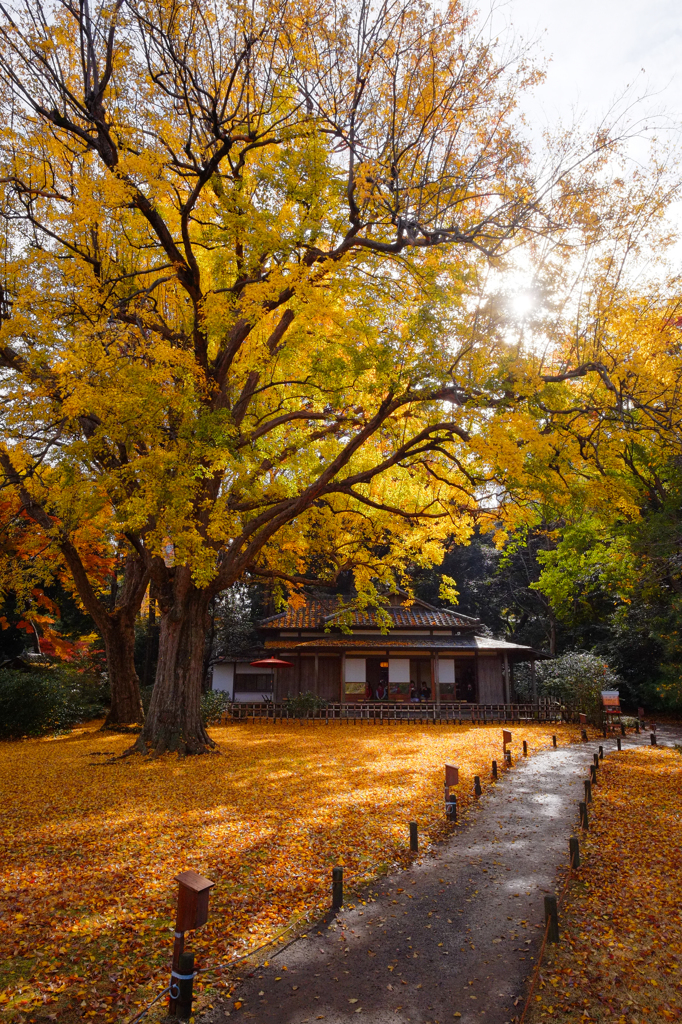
column 380, row 712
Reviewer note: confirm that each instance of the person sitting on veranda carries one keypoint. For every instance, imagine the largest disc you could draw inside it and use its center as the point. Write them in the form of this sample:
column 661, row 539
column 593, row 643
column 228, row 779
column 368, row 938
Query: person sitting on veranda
column 381, row 691
column 425, row 692
column 414, row 696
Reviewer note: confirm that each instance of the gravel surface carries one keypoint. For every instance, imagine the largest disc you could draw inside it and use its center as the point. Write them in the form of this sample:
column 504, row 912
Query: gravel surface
column 455, row 936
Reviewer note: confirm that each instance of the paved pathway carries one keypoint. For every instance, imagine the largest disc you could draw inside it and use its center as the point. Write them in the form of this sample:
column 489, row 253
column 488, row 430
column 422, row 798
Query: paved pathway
column 455, row 936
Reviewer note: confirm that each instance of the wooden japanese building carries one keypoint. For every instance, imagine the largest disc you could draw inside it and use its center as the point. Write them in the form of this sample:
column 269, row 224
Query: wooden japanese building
column 426, row 653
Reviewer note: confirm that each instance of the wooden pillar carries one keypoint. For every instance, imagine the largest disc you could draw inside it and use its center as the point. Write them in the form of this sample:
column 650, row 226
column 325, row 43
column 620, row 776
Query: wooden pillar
column 343, row 678
column 435, row 676
column 533, row 681
column 507, row 681
column 317, row 674
column 298, row 673
column 476, row 694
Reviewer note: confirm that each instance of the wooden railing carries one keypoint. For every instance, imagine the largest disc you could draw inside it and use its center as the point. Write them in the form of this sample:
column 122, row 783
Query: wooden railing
column 380, row 712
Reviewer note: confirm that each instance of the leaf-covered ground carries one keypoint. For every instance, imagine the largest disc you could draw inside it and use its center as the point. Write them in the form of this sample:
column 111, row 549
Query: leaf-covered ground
column 621, row 929
column 88, row 850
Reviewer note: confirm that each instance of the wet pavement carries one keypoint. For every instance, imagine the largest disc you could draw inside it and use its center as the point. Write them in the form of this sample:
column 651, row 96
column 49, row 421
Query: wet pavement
column 455, row 936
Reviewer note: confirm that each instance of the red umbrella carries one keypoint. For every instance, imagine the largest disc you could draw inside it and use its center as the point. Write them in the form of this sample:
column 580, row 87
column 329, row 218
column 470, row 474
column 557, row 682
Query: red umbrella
column 271, row 662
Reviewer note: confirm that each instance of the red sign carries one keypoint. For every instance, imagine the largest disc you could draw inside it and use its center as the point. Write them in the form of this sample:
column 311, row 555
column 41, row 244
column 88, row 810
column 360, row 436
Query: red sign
column 451, row 775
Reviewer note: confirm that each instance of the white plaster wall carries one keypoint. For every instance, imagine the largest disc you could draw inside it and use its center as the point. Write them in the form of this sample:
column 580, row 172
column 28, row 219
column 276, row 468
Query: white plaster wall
column 446, row 670
column 223, row 678
column 356, row 670
column 398, row 670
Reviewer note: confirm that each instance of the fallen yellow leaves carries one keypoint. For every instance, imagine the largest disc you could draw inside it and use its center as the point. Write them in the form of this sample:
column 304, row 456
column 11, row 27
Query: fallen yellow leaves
column 619, row 955
column 89, row 849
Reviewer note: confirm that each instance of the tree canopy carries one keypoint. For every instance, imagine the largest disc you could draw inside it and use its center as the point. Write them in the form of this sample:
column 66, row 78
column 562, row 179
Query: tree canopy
column 245, row 318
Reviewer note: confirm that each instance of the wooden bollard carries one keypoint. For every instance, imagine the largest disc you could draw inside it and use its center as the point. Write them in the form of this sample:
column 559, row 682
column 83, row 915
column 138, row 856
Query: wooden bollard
column 601, row 753
column 618, row 742
column 595, row 760
column 653, row 739
column 554, row 741
column 622, row 729
column 414, row 837
column 525, row 749
column 574, row 852
column 588, row 791
column 337, row 888
column 584, row 823
column 507, row 758
column 593, row 774
column 185, row 985
column 604, row 732
column 494, row 769
column 637, row 727
column 552, row 916
column 451, row 780
column 506, row 738
column 584, row 736
column 191, row 913
column 477, row 786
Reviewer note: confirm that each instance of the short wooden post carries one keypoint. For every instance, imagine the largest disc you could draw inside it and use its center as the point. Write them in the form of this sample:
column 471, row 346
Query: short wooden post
column 653, row 739
column 554, row 741
column 584, row 736
column 595, row 759
column 622, row 729
column 337, row 888
column 477, row 785
column 588, row 791
column 414, row 837
column 494, row 769
column 618, row 742
column 185, row 985
column 593, row 773
column 574, row 852
column 525, row 749
column 601, row 753
column 552, row 916
column 637, row 727
column 507, row 758
column 450, row 805
column 584, row 823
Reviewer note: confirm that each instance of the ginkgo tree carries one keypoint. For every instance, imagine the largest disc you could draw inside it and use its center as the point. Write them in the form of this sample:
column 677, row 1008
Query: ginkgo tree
column 244, row 308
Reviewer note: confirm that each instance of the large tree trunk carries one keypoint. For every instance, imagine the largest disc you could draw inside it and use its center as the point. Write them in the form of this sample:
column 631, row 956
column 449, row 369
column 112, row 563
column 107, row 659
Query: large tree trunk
column 118, row 631
column 174, row 718
column 119, row 643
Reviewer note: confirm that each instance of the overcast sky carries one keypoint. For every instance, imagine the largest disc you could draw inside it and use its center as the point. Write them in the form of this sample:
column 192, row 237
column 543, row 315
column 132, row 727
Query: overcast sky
column 598, row 47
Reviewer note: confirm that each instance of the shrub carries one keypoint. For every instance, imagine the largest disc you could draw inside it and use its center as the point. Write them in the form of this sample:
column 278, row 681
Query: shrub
column 300, row 704
column 46, row 700
column 214, row 704
column 576, row 679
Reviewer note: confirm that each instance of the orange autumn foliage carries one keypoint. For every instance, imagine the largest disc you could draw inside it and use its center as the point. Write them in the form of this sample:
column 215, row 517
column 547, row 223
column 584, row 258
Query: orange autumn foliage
column 89, row 849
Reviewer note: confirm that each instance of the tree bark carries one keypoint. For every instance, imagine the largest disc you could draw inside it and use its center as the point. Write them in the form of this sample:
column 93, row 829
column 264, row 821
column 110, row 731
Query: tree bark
column 125, row 710
column 174, row 718
column 151, row 644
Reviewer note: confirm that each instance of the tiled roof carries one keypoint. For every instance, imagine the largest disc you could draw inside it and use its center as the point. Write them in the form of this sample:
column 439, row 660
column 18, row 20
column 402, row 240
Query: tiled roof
column 312, row 615
column 319, row 613
column 463, row 642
